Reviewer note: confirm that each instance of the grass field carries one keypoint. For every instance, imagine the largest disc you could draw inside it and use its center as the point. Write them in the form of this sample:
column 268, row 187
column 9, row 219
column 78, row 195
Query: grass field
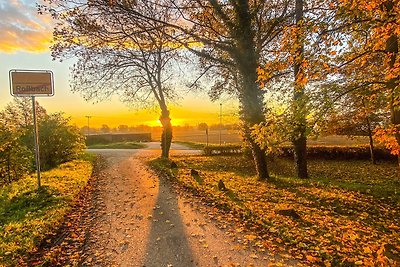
column 346, row 214
column 227, row 136
column 120, row 145
column 27, row 215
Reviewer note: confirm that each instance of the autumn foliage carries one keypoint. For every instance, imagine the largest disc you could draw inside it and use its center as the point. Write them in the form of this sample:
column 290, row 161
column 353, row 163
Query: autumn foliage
column 329, row 220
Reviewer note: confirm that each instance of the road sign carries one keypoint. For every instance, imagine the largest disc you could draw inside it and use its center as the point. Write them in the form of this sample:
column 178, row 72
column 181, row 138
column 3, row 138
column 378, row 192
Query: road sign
column 31, row 83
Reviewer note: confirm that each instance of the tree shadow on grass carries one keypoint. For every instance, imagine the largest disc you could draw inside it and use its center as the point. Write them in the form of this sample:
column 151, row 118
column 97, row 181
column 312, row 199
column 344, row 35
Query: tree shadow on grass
column 336, row 205
column 33, row 201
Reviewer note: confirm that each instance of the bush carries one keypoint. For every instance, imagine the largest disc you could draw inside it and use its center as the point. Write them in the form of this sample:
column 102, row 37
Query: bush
column 59, row 141
column 15, row 158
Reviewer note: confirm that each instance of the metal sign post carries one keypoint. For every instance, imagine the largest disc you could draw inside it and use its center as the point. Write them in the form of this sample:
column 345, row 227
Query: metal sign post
column 32, row 83
column 36, row 139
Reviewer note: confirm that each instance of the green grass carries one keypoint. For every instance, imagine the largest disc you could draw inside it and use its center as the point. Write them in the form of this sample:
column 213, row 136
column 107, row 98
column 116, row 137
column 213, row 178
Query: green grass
column 121, row 145
column 381, row 180
column 193, row 145
column 349, row 210
column 28, row 215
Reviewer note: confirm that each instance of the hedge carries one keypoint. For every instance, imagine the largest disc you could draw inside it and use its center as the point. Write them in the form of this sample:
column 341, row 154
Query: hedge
column 223, row 150
column 313, row 152
column 339, row 152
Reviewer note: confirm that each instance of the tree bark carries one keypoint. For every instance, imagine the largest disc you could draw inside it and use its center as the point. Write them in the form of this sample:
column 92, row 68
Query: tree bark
column 259, row 156
column 370, row 135
column 299, row 105
column 250, row 96
column 166, row 136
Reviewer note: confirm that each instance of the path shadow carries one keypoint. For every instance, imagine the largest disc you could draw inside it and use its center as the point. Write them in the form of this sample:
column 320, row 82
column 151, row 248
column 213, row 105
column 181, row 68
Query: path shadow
column 167, row 243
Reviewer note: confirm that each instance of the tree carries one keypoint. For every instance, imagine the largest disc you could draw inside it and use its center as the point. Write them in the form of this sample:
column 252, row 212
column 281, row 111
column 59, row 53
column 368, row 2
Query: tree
column 18, row 114
column 233, row 37
column 299, row 100
column 372, row 59
column 118, row 52
column 230, row 37
column 60, row 142
column 202, row 126
column 357, row 114
column 105, row 128
column 123, row 128
column 302, row 55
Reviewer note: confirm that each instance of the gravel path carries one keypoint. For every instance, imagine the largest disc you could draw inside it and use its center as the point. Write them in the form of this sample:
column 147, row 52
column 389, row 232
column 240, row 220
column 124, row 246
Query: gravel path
column 139, row 221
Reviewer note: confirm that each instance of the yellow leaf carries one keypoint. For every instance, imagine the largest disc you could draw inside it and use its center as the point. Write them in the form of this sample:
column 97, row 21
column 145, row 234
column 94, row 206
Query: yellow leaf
column 367, row 250
column 311, row 258
column 250, row 237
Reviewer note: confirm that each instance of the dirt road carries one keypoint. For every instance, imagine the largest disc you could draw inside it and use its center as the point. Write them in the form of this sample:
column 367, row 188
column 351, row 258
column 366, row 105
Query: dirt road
column 139, row 221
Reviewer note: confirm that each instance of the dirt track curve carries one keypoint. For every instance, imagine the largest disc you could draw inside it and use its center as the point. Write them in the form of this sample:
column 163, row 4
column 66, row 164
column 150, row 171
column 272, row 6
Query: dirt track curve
column 138, row 220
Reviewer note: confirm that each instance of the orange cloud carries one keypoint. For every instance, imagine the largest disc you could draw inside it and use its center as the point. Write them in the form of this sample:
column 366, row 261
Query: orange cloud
column 22, row 28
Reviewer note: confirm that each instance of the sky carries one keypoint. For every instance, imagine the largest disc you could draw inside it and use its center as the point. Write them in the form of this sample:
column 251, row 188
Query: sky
column 25, row 38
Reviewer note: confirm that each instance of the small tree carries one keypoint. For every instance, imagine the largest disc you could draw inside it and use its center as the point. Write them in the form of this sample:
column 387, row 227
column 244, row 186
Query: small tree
column 60, row 141
column 357, row 115
column 15, row 159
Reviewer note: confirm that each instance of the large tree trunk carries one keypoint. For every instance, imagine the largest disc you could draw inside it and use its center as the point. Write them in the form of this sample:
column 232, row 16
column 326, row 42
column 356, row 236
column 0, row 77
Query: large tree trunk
column 259, row 156
column 299, row 105
column 166, row 136
column 300, row 156
column 250, row 95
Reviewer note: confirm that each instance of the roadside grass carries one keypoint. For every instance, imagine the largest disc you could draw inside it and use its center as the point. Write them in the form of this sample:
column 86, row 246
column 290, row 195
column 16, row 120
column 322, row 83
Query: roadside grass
column 119, row 145
column 346, row 214
column 27, row 215
column 192, row 145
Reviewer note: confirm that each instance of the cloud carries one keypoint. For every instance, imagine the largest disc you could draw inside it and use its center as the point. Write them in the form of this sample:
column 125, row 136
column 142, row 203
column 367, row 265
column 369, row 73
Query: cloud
column 22, row 28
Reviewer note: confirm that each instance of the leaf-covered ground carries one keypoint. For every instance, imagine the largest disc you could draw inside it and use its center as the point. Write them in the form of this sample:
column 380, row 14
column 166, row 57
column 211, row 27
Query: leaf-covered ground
column 346, row 214
column 28, row 216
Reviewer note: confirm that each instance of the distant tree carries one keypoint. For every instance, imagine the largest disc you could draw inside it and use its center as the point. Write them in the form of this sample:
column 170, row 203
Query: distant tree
column 202, row 126
column 123, row 128
column 357, row 115
column 105, row 128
